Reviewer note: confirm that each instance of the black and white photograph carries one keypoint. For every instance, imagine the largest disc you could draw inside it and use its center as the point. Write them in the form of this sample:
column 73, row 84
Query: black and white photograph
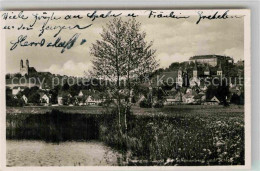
column 126, row 88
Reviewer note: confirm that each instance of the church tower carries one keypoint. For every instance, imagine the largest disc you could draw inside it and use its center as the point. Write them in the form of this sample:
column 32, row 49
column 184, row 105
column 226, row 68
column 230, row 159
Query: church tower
column 27, row 63
column 195, row 71
column 180, row 77
column 21, row 64
column 185, row 77
column 24, row 69
column 207, row 72
column 219, row 71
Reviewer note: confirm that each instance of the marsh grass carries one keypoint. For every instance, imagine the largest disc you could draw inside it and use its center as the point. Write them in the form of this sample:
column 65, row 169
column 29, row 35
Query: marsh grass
column 196, row 137
column 181, row 140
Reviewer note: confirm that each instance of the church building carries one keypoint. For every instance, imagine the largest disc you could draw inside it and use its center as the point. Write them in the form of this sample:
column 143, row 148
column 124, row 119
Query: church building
column 26, row 70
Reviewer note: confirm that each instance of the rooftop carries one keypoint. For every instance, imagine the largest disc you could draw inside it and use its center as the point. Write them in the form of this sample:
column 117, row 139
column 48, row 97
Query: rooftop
column 209, row 57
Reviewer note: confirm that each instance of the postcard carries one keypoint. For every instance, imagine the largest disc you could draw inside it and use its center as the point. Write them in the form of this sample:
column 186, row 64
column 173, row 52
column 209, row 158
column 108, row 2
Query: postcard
column 125, row 89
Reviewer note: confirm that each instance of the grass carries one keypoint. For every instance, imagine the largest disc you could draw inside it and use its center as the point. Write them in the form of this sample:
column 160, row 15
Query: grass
column 182, row 135
column 178, row 110
column 45, row 109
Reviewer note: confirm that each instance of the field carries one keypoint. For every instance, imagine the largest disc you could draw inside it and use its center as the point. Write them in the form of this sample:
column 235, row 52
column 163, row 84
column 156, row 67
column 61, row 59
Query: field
column 176, row 135
column 183, row 135
column 178, row 110
column 45, row 109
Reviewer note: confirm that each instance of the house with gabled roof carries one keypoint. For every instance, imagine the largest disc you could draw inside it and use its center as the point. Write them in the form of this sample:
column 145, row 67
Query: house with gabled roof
column 188, row 98
column 44, row 98
column 94, row 99
column 61, row 96
column 25, row 99
column 212, row 101
column 17, row 89
column 199, row 98
column 175, row 98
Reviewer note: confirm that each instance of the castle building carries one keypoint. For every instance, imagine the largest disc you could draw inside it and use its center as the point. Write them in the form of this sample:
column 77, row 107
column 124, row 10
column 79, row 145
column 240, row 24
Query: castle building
column 212, row 60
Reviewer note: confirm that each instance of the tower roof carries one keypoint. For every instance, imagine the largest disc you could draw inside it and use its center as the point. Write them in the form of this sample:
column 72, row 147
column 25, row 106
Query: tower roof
column 219, row 67
column 207, row 68
column 195, row 67
column 185, row 69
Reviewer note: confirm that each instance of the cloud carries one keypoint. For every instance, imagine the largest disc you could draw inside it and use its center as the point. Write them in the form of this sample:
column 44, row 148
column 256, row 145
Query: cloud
column 166, row 59
column 70, row 68
column 235, row 52
column 174, row 41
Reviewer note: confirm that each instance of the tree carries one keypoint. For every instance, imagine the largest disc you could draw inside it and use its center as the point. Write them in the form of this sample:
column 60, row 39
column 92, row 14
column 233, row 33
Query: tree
column 74, row 90
column 34, row 98
column 223, row 92
column 235, row 99
column 123, row 55
column 65, row 86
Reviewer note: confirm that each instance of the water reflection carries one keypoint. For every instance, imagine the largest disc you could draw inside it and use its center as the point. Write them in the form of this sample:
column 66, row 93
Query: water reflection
column 40, row 153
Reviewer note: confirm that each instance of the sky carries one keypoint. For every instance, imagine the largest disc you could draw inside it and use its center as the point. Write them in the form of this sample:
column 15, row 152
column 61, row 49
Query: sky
column 174, row 41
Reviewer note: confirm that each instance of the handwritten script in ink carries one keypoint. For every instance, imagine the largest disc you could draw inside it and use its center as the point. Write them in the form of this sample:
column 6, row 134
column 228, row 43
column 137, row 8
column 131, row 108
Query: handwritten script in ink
column 49, row 26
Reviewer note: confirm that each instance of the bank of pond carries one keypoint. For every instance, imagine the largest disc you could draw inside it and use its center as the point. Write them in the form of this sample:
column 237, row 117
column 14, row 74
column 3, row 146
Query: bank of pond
column 150, row 140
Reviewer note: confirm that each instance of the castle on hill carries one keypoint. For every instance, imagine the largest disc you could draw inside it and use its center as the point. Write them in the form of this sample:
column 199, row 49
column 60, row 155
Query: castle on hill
column 195, row 71
column 212, row 60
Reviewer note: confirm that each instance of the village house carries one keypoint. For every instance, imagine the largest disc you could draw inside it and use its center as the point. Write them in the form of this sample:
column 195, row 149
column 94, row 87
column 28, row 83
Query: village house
column 94, row 99
column 199, row 98
column 141, row 98
column 212, row 101
column 63, row 98
column 44, row 98
column 17, row 89
column 173, row 99
column 188, row 98
column 25, row 99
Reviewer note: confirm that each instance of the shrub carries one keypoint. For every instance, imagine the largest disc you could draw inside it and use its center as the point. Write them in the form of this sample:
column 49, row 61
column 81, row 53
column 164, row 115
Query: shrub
column 158, row 104
column 145, row 104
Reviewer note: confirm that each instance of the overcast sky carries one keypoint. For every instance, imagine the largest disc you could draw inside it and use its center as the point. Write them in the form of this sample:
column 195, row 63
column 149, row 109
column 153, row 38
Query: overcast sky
column 174, row 40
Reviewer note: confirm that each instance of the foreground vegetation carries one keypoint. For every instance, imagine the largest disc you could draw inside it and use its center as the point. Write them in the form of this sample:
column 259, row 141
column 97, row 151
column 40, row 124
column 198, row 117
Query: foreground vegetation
column 177, row 135
column 191, row 139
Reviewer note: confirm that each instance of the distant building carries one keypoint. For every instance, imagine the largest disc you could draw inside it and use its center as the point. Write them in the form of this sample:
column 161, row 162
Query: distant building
column 93, row 100
column 212, row 101
column 25, row 99
column 172, row 100
column 207, row 71
column 194, row 81
column 212, row 60
column 26, row 70
column 240, row 63
column 44, row 98
column 63, row 97
column 17, row 89
column 219, row 71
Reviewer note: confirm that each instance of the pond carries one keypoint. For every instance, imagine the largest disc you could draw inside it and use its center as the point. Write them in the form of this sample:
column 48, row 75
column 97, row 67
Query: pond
column 69, row 153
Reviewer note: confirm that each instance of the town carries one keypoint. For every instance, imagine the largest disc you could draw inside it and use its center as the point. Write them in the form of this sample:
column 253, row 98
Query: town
column 179, row 84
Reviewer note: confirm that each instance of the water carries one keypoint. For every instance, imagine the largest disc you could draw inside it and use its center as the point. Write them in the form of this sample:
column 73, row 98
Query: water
column 40, row 153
